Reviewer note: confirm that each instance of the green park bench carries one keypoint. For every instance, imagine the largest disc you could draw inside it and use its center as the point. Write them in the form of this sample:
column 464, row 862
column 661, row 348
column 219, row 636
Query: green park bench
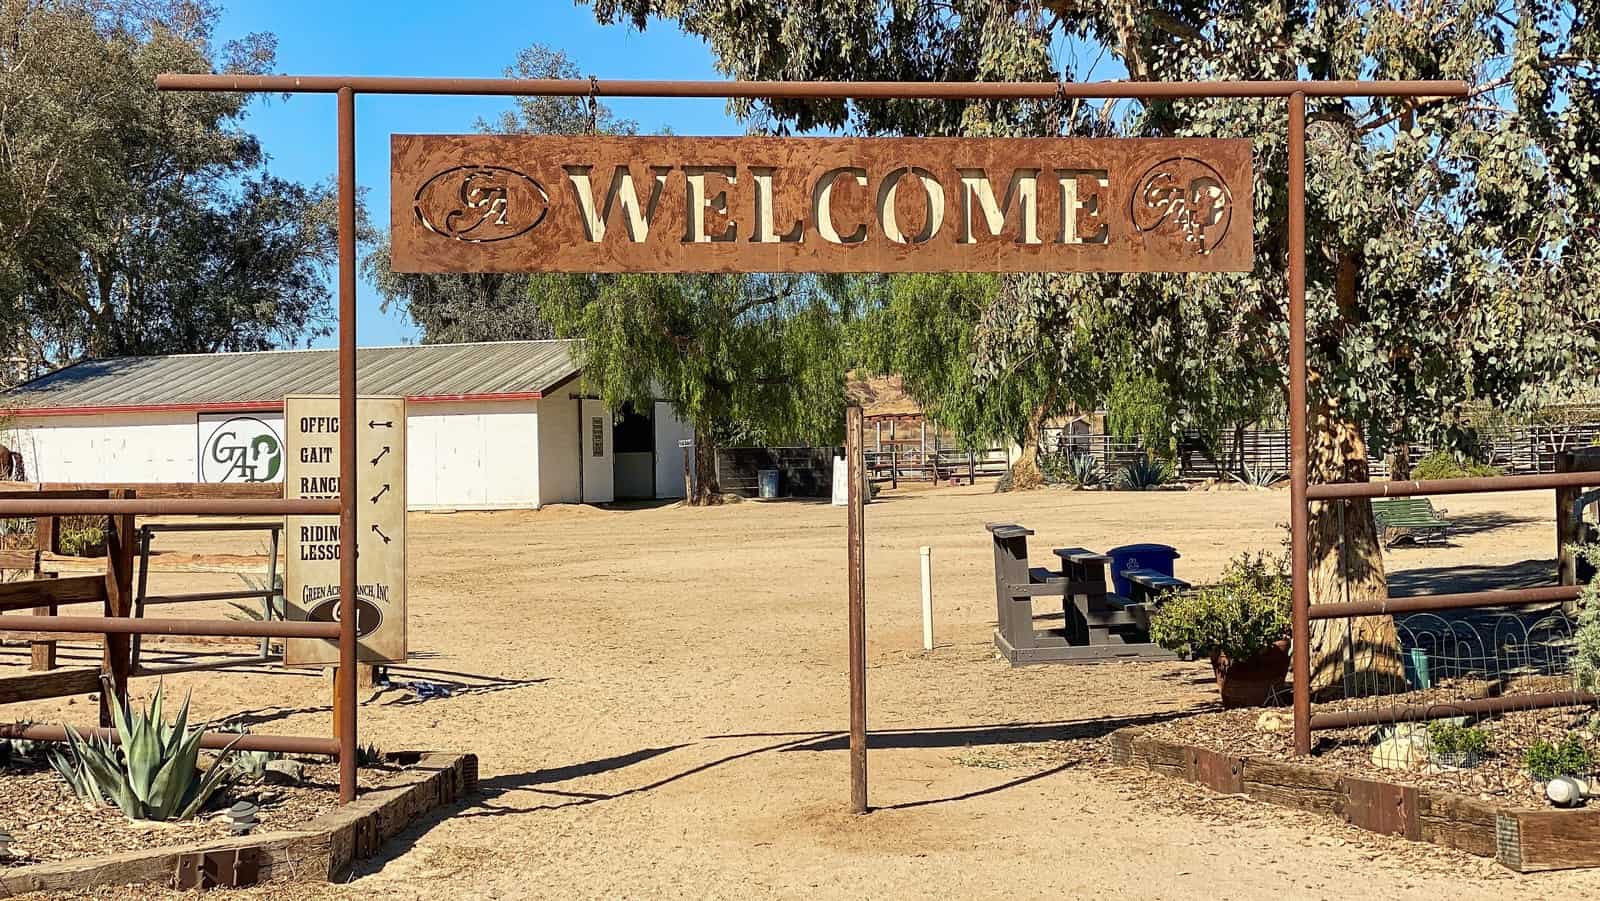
column 1399, row 518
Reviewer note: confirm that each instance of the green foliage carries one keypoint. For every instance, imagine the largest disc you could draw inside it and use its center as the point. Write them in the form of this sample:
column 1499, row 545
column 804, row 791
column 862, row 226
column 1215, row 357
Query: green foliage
column 1586, row 640
column 1258, row 476
column 754, row 358
column 80, row 540
column 1453, row 245
column 1146, row 473
column 137, row 222
column 152, row 774
column 1076, row 469
column 495, row 306
column 1545, row 760
column 1444, row 465
column 1454, row 740
column 1245, row 612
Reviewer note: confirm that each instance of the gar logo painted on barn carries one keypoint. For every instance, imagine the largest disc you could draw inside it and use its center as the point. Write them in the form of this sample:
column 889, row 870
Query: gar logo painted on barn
column 241, row 449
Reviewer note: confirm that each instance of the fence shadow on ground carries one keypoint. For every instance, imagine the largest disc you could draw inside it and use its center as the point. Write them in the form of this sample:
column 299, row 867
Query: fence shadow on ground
column 1471, row 577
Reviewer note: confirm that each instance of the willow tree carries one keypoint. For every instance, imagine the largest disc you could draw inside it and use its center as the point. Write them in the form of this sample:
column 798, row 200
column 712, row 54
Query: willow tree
column 926, row 328
column 752, row 358
column 1452, row 244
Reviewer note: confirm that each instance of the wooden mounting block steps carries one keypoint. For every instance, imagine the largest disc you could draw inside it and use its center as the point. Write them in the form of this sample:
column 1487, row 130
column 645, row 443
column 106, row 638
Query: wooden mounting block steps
column 320, row 851
column 1524, row 840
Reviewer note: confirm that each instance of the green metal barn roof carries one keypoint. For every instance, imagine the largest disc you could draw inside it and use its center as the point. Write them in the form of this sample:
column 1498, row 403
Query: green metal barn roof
column 485, row 371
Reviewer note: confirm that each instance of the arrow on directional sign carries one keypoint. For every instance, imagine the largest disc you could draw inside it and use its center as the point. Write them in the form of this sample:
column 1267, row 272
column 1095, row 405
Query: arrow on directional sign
column 381, row 492
column 386, row 538
column 374, row 424
column 380, row 455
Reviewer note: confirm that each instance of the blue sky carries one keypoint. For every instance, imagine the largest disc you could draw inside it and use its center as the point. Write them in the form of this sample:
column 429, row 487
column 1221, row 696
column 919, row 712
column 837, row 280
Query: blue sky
column 441, row 37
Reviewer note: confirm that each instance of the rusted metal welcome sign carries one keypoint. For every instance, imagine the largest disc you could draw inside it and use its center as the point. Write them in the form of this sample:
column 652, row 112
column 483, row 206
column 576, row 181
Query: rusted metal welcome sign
column 496, row 203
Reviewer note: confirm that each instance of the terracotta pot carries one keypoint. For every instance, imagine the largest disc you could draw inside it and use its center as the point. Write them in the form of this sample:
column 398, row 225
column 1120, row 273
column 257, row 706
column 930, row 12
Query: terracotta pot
column 1251, row 682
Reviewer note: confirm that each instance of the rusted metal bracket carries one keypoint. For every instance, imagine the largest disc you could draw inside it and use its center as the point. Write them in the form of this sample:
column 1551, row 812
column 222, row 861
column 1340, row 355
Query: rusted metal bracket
column 235, row 868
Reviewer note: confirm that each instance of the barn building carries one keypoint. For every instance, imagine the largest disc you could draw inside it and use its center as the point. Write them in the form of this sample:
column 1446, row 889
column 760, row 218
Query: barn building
column 494, row 425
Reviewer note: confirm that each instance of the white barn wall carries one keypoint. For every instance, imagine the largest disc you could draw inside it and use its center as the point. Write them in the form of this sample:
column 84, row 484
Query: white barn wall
column 559, row 459
column 472, row 454
column 108, row 447
column 460, row 454
column 669, row 456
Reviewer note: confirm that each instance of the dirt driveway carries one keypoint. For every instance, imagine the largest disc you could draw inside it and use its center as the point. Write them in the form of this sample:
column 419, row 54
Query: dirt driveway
column 656, row 695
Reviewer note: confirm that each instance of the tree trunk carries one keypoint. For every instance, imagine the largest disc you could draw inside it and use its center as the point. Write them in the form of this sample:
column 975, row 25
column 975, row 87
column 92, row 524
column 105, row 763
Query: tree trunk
column 1360, row 655
column 1025, row 472
column 1400, row 462
column 706, row 490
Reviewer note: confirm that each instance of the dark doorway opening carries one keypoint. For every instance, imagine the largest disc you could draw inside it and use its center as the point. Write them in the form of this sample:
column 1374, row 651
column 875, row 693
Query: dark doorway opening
column 633, row 439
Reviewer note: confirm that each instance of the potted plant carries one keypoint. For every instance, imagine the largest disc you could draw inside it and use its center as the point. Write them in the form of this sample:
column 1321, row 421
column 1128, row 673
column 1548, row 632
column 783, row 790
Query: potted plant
column 1241, row 623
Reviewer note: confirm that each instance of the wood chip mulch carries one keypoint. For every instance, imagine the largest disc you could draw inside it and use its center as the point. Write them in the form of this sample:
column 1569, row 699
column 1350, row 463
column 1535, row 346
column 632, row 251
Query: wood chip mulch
column 47, row 823
column 1498, row 776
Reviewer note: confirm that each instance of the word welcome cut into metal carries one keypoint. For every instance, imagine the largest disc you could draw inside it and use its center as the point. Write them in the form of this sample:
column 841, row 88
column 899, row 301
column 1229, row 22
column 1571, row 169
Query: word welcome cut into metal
column 493, row 203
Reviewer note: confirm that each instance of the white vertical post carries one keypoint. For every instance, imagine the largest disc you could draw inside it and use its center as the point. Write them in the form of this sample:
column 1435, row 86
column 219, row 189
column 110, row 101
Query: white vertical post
column 927, row 598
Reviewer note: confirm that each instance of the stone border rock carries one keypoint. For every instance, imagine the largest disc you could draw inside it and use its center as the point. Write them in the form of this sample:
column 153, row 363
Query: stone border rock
column 323, row 850
column 1523, row 840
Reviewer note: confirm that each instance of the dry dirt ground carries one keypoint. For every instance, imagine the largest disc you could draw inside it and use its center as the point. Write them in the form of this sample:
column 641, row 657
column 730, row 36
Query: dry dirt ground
column 657, row 696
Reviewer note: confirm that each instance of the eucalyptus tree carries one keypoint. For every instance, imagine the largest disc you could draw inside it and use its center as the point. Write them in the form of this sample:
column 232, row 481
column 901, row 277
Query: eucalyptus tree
column 1453, row 243
column 138, row 222
column 486, row 306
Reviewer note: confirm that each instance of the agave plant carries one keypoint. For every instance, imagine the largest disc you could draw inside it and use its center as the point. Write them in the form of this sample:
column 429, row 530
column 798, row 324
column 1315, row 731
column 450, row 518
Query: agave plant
column 1146, row 472
column 1084, row 471
column 153, row 774
column 1259, row 477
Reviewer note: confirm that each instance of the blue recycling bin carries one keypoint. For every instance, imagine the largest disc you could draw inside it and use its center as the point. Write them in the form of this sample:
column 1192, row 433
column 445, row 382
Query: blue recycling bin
column 1158, row 557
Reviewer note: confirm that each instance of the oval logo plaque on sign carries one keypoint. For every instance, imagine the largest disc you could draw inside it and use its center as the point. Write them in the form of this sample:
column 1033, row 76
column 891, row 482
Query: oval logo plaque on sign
column 368, row 616
column 480, row 204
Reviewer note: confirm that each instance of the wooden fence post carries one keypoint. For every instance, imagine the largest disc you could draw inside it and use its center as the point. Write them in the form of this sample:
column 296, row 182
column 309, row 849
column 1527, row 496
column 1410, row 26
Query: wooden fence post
column 857, row 580
column 118, row 656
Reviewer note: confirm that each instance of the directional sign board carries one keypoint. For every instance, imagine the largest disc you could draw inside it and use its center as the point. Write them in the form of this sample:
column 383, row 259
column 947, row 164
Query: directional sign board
column 311, row 574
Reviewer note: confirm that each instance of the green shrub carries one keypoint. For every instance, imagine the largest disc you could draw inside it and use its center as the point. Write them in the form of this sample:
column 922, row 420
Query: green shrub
column 153, row 774
column 1443, row 465
column 81, row 536
column 1454, row 740
column 1245, row 612
column 1076, row 469
column 1147, row 472
column 1546, row 760
column 1586, row 639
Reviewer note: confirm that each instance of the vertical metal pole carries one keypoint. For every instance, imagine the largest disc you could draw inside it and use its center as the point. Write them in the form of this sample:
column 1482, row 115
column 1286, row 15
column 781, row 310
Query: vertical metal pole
column 854, row 438
column 272, row 586
column 345, row 678
column 927, row 598
column 1299, row 513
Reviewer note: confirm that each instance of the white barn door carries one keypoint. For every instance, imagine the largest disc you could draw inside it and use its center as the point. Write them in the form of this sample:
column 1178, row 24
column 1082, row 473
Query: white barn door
column 599, row 486
column 671, row 432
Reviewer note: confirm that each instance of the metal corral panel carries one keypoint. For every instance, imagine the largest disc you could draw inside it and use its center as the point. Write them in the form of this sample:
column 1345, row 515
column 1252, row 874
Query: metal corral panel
column 526, row 368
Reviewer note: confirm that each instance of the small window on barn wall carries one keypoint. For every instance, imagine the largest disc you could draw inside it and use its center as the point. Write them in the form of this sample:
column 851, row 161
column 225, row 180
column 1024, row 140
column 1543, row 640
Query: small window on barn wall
column 597, row 436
